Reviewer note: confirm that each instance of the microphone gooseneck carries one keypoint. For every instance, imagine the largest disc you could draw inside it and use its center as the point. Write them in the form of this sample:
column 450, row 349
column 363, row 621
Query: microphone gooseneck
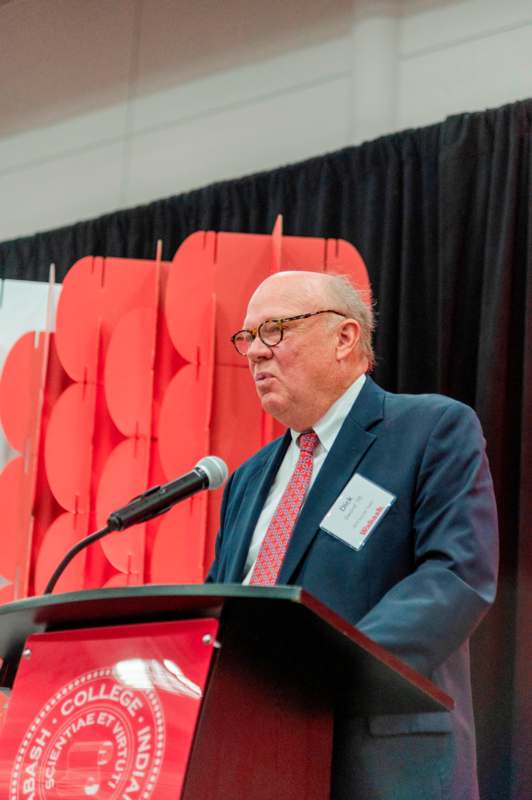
column 209, row 473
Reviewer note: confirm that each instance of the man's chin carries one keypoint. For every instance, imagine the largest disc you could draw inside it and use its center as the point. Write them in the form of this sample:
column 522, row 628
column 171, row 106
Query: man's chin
column 272, row 405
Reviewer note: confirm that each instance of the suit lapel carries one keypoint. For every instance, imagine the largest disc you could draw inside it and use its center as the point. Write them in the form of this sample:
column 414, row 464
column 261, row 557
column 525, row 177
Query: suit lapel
column 258, row 486
column 349, row 447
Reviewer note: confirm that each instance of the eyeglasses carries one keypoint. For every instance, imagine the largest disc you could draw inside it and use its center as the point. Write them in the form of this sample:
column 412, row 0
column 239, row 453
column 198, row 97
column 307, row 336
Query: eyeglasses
column 270, row 332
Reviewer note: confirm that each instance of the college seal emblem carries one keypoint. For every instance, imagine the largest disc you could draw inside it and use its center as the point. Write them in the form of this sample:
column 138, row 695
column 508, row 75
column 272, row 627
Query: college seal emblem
column 96, row 737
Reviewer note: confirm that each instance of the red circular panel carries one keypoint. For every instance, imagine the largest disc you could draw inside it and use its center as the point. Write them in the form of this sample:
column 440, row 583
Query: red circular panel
column 77, row 319
column 21, row 379
column 96, row 293
column 11, row 492
column 184, row 421
column 189, row 300
column 177, row 551
column 64, row 532
column 128, row 377
column 124, row 476
column 238, row 422
column 242, row 262
column 68, row 443
column 118, row 580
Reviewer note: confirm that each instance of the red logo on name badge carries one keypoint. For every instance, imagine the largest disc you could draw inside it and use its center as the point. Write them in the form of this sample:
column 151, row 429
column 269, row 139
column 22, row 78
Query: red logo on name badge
column 372, row 520
column 95, row 737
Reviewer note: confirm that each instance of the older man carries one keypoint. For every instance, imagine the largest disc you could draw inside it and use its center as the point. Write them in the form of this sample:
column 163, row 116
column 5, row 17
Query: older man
column 417, row 574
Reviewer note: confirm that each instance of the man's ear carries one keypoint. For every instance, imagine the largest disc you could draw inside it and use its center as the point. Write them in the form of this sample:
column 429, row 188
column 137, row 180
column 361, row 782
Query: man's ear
column 348, row 338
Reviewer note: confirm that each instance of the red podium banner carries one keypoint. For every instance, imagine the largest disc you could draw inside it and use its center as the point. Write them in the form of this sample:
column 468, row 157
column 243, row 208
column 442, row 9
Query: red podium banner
column 107, row 712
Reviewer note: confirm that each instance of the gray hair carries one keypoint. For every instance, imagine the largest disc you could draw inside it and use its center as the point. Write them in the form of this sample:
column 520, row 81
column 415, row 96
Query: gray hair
column 351, row 302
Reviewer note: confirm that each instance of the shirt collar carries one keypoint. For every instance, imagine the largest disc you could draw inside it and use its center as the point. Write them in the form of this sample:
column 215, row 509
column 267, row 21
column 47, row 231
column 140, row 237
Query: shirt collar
column 329, row 425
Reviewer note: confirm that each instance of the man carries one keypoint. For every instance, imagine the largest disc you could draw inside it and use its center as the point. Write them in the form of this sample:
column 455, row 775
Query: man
column 426, row 572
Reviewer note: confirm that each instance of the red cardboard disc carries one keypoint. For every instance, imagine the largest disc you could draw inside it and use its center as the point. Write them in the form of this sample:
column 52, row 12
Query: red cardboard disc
column 64, row 532
column 128, row 372
column 68, row 447
column 21, row 378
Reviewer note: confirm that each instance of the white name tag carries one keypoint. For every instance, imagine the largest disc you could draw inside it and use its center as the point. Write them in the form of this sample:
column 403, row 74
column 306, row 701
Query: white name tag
column 357, row 511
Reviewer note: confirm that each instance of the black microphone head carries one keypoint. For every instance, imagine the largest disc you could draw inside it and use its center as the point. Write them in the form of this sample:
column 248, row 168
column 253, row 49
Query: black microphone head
column 215, row 470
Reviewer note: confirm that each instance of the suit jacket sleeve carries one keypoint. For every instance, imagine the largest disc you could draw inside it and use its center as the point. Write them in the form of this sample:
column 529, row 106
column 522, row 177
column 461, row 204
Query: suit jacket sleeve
column 432, row 611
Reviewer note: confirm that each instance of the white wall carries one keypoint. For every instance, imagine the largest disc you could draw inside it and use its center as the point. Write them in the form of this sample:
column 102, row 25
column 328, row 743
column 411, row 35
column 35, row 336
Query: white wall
column 106, row 104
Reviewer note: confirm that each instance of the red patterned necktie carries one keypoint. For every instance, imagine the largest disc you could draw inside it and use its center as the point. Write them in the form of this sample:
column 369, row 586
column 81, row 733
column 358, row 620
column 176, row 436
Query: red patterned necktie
column 275, row 542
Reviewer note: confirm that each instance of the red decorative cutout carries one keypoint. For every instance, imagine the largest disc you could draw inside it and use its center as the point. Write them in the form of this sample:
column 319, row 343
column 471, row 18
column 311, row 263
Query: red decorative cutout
column 65, row 531
column 189, row 297
column 178, row 548
column 19, row 389
column 124, row 476
column 68, row 447
column 119, row 579
column 153, row 385
column 22, row 412
column 184, row 421
column 15, row 526
column 96, row 293
column 128, row 373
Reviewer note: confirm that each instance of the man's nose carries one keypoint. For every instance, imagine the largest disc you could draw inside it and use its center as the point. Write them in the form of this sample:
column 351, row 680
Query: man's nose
column 258, row 350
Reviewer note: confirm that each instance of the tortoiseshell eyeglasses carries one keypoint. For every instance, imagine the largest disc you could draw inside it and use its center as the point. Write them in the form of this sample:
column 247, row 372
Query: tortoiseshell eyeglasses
column 271, row 331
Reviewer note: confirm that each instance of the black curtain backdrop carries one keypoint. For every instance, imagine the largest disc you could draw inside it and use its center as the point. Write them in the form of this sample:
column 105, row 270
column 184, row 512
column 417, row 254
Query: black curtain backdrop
column 442, row 217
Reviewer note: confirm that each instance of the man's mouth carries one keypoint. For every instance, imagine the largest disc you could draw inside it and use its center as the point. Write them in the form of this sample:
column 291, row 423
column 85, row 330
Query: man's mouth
column 262, row 376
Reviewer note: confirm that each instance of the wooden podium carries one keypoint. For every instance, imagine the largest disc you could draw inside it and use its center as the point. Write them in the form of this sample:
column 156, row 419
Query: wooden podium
column 209, row 692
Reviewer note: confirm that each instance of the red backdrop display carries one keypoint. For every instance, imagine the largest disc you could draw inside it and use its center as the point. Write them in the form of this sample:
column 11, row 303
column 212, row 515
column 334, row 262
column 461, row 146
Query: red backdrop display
column 138, row 382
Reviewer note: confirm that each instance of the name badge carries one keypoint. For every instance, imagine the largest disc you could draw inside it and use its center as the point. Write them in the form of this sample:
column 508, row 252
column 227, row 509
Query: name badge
column 357, row 511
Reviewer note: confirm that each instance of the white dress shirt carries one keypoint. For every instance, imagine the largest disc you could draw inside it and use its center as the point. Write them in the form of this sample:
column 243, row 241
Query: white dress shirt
column 327, row 429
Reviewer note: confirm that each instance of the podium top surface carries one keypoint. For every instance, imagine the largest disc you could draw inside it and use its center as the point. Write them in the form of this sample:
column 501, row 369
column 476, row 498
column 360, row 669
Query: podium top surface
column 101, row 607
column 284, row 617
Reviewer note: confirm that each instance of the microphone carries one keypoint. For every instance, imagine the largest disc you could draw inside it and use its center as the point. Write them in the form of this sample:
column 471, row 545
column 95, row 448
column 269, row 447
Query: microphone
column 209, row 473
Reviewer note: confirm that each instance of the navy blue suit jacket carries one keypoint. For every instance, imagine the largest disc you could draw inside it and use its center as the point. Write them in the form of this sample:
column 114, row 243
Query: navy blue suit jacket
column 427, row 573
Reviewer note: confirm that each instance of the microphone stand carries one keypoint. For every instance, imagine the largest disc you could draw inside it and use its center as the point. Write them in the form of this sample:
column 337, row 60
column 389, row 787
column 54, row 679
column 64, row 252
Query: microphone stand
column 209, row 473
column 130, row 514
column 73, row 552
